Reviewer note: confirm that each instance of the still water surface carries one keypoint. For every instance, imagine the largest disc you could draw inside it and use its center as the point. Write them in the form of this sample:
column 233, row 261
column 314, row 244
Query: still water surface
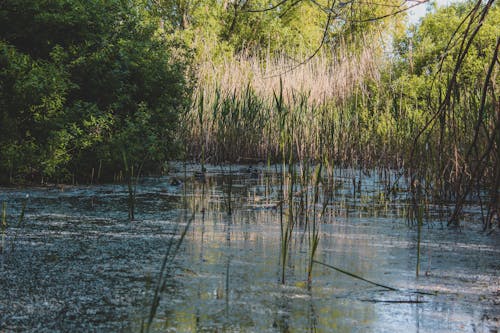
column 232, row 269
column 226, row 276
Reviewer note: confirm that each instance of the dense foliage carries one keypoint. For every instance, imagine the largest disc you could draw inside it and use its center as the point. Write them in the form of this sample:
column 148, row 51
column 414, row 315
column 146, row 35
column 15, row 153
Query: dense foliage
column 85, row 88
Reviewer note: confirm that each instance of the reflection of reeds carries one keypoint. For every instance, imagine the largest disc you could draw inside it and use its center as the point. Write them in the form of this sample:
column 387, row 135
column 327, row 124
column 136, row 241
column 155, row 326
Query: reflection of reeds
column 314, row 228
column 416, row 214
column 165, row 270
column 419, row 237
column 3, row 224
column 229, row 192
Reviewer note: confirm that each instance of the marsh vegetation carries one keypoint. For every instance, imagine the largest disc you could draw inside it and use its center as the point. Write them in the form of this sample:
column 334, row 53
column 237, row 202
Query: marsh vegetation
column 343, row 159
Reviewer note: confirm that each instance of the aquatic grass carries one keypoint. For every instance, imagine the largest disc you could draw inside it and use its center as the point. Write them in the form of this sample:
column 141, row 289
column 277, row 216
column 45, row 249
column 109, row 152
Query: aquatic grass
column 201, row 99
column 366, row 119
column 239, row 97
column 132, row 179
column 359, row 277
column 415, row 215
column 287, row 179
column 329, row 75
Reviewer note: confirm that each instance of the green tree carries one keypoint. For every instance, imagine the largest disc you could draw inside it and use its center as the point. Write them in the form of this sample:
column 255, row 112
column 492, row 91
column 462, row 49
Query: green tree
column 82, row 82
column 453, row 54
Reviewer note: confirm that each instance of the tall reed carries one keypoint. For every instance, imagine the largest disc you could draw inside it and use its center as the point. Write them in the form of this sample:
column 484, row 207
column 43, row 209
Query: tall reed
column 314, row 229
column 366, row 115
column 236, row 115
column 286, row 130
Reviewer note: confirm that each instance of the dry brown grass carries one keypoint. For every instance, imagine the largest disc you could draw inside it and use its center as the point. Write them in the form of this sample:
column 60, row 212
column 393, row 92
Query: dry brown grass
column 313, row 92
column 326, row 77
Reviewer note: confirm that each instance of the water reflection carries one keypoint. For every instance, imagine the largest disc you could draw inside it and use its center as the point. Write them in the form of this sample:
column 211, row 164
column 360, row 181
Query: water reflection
column 226, row 276
column 237, row 267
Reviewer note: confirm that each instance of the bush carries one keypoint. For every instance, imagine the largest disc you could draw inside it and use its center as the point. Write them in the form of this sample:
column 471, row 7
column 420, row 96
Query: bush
column 81, row 83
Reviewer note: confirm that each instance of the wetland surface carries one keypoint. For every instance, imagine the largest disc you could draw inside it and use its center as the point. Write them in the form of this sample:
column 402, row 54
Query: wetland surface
column 77, row 264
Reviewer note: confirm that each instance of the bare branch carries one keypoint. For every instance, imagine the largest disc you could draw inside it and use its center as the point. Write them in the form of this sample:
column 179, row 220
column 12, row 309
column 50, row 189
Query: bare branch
column 323, row 39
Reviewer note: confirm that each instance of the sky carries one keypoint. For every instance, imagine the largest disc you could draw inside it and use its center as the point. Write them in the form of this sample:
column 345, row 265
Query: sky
column 418, row 11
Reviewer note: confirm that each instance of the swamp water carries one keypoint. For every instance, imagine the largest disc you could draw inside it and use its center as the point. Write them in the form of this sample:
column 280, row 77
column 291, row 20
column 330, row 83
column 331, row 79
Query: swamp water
column 77, row 264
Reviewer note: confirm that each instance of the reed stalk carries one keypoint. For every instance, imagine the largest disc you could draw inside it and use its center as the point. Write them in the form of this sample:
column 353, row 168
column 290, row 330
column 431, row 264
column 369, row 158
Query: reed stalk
column 314, row 233
column 202, row 127
column 4, row 225
column 229, row 191
column 129, row 172
column 419, row 237
column 20, row 222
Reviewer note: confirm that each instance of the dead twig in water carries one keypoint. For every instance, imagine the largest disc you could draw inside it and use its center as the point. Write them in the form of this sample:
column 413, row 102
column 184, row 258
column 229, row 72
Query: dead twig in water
column 355, row 276
column 370, row 282
column 393, row 301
